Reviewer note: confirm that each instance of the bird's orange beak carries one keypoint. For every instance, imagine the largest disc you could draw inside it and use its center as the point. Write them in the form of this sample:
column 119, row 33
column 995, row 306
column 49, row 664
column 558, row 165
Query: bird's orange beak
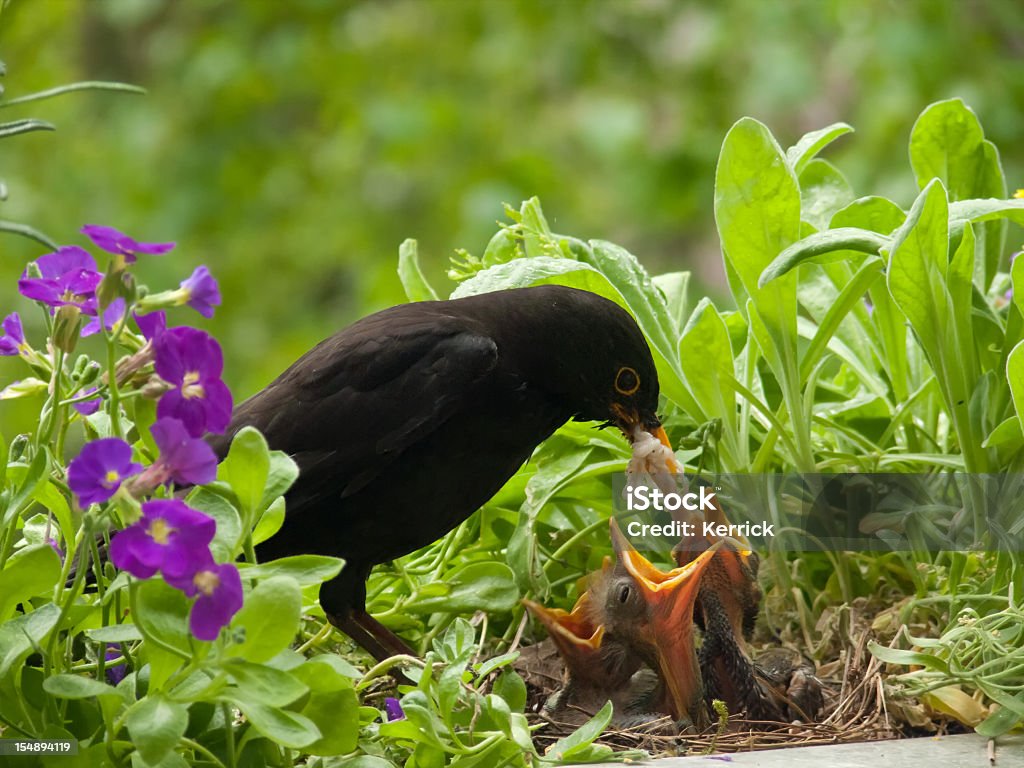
column 574, row 634
column 670, row 597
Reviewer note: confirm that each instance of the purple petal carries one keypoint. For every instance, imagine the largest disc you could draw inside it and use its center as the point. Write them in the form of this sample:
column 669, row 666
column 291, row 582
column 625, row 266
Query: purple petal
column 115, row 674
column 88, row 407
column 189, row 460
column 14, row 336
column 98, row 470
column 219, row 404
column 204, row 294
column 81, row 282
column 42, row 289
column 152, row 324
column 393, row 708
column 114, row 241
column 111, row 315
column 69, row 258
column 189, row 411
column 126, row 548
column 215, row 607
column 55, row 545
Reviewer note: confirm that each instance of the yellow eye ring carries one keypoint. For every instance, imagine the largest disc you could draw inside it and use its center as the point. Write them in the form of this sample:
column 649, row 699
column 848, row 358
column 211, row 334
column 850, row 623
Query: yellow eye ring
column 627, row 381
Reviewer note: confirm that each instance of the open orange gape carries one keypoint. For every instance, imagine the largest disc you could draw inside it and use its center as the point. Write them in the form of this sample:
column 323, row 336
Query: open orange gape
column 635, row 615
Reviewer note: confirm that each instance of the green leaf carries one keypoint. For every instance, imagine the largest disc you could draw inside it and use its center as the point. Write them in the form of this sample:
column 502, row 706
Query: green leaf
column 907, row 658
column 877, row 214
column 332, row 706
column 989, row 209
column 818, row 247
column 65, row 686
column 1015, row 375
column 269, row 619
column 810, row 144
column 115, row 633
column 22, row 634
column 674, row 285
column 156, row 725
column 85, row 85
column 706, row 352
column 305, row 569
column 486, row 586
column 290, row 729
column 917, row 264
column 229, row 521
column 577, row 741
column 281, row 476
column 33, row 571
column 948, row 143
column 270, row 521
column 246, row 470
column 415, row 284
column 32, row 477
column 510, row 686
column 1003, row 719
column 823, row 192
column 14, row 127
column 263, row 684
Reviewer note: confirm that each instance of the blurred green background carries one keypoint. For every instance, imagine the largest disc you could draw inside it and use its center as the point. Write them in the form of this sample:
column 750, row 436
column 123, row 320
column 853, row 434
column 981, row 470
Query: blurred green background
column 291, row 146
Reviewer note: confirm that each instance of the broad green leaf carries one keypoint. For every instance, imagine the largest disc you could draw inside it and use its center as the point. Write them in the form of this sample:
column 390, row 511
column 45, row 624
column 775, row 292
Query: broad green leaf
column 263, row 684
column 1015, row 375
column 269, row 619
column 817, row 249
column 948, row 143
column 229, row 521
column 281, row 476
column 304, row 569
column 1008, row 432
column 332, row 706
column 706, row 352
column 989, row 209
column 907, row 658
column 810, row 144
column 673, row 286
column 290, row 729
column 246, row 469
column 66, row 686
column 573, row 744
column 487, row 586
column 823, row 191
column 270, row 521
column 877, row 214
column 33, row 571
column 415, row 284
column 114, row 633
column 30, row 479
column 917, row 264
column 50, row 497
column 22, row 634
column 156, row 725
column 510, row 686
column 1001, row 720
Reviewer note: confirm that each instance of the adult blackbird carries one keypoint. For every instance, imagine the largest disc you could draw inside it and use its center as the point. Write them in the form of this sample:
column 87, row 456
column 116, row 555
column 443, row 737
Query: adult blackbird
column 406, row 422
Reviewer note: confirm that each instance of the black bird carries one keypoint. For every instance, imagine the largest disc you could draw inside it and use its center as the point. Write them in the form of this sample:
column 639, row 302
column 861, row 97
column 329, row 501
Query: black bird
column 406, row 422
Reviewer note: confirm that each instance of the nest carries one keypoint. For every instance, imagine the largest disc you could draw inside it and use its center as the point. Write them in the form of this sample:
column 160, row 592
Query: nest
column 855, row 710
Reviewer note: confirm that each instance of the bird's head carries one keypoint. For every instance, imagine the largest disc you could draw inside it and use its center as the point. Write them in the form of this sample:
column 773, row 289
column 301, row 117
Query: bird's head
column 589, row 353
column 652, row 612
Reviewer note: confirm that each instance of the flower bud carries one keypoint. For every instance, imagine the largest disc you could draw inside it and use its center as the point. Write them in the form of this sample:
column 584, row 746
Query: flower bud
column 67, row 327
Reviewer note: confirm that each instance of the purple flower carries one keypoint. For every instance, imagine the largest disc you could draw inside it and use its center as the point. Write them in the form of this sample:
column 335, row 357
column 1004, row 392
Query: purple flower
column 152, row 324
column 69, row 276
column 97, row 472
column 171, row 537
column 191, row 361
column 112, row 241
column 393, row 708
column 13, row 340
column 220, row 596
column 115, row 674
column 201, row 291
column 88, row 407
column 111, row 315
column 184, row 459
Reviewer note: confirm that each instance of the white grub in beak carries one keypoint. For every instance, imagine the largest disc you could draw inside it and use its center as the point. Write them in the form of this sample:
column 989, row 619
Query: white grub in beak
column 653, row 462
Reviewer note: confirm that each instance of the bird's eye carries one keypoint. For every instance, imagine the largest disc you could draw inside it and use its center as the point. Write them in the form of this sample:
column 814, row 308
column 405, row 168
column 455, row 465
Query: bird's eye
column 627, row 381
column 623, row 593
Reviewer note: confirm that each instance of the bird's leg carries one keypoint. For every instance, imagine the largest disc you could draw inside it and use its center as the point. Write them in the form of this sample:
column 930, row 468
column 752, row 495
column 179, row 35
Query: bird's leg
column 379, row 641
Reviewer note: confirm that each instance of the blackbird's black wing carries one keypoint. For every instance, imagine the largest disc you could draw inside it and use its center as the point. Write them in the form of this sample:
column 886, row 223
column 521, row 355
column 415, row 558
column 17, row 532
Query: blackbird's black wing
column 349, row 407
